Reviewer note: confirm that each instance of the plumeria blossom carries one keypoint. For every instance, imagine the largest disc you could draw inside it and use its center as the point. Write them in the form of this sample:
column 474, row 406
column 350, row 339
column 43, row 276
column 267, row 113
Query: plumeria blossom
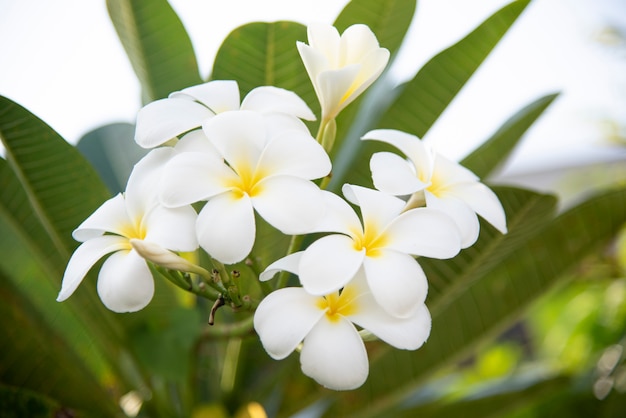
column 333, row 352
column 341, row 67
column 125, row 283
column 383, row 245
column 184, row 111
column 259, row 168
column 440, row 183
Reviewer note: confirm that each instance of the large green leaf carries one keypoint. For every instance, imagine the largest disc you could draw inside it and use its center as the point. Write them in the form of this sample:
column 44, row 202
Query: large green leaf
column 496, row 298
column 157, row 45
column 421, row 101
column 262, row 54
column 112, row 151
column 493, row 152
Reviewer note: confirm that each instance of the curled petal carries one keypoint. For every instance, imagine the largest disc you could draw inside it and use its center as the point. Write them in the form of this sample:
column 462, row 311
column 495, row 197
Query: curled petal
column 125, row 283
column 218, row 95
column 394, row 175
column 329, row 264
column 296, row 154
column 289, row 204
column 288, row 263
column 397, row 282
column 284, row 318
column 483, row 201
column 458, row 211
column 357, row 42
column 277, row 100
column 85, row 256
column 334, row 355
column 111, row 216
column 415, row 150
column 336, row 88
column 425, row 232
column 325, row 39
column 190, row 177
column 226, row 227
column 371, row 67
column 164, row 119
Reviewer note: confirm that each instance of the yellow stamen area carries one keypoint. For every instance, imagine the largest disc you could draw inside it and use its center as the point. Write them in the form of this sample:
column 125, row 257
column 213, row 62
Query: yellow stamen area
column 338, row 304
column 247, row 182
column 437, row 187
column 371, row 241
column 136, row 230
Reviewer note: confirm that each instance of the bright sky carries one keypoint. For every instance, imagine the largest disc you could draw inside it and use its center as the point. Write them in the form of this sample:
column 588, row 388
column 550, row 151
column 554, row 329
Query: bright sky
column 62, row 61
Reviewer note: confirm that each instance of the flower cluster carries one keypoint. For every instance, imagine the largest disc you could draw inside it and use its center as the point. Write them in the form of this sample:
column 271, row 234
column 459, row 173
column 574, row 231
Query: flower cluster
column 217, row 164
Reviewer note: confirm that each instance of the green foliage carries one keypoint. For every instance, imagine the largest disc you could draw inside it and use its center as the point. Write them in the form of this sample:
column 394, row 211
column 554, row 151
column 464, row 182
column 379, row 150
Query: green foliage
column 157, row 46
column 80, row 356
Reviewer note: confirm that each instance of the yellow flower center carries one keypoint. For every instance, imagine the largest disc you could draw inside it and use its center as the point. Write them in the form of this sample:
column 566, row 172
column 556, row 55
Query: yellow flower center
column 136, row 230
column 338, row 304
column 247, row 182
column 371, row 240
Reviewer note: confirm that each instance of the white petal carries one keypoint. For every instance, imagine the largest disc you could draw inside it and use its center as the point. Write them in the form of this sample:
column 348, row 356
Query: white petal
column 483, row 201
column 284, row 318
column 125, row 283
column 84, row 257
column 218, row 95
column 196, row 141
column 111, row 216
column 449, row 172
column 315, row 62
column 164, row 119
column 172, row 228
column 405, row 333
column 378, row 209
column 328, row 264
column 462, row 215
column 296, row 154
column 291, row 205
column 142, row 188
column 325, row 38
column 239, row 137
column 276, row 123
column 415, row 150
column 274, row 99
column 336, row 90
column 357, row 41
column 394, row 175
column 339, row 216
column 226, row 227
column 425, row 232
column 288, row 263
column 371, row 67
column 190, row 177
column 397, row 282
column 334, row 355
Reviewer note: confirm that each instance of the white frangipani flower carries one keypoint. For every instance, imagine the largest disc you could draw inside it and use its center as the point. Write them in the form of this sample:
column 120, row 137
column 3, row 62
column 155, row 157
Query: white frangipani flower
column 262, row 169
column 341, row 67
column 333, row 352
column 383, row 245
column 125, row 283
column 186, row 110
column 442, row 184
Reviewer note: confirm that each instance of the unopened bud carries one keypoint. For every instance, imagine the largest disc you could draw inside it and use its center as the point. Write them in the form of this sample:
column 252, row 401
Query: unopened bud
column 165, row 258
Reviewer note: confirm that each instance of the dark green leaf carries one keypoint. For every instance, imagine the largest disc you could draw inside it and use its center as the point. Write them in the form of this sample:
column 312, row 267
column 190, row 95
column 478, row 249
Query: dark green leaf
column 157, row 45
column 112, row 151
column 493, row 153
column 262, row 54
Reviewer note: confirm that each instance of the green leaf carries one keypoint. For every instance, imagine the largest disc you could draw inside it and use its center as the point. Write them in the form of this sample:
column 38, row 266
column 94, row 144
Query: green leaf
column 112, row 151
column 493, row 153
column 261, row 54
column 157, row 45
column 496, row 298
column 62, row 188
column 424, row 98
column 418, row 104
